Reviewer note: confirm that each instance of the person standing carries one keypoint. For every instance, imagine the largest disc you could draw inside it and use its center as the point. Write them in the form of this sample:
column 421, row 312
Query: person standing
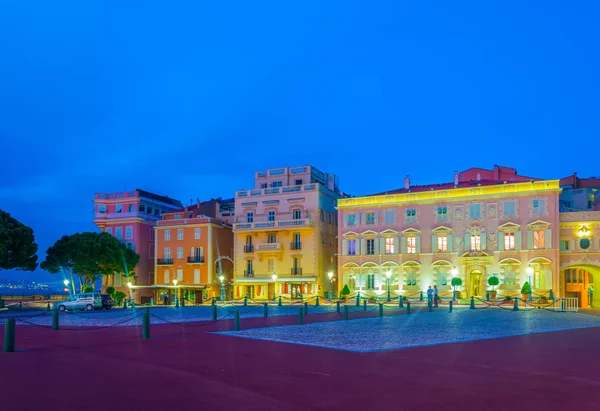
column 435, row 296
column 429, row 296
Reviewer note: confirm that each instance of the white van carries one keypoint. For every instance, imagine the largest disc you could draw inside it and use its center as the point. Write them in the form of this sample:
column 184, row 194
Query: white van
column 83, row 301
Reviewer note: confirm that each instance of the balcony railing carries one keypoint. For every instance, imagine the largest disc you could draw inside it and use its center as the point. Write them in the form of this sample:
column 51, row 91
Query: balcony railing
column 124, row 215
column 295, row 246
column 248, row 273
column 248, row 248
column 269, row 247
column 261, row 225
column 276, row 190
column 196, row 259
column 164, row 261
column 296, row 271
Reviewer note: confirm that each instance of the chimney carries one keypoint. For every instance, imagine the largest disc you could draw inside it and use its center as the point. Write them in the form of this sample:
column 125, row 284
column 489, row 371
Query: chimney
column 455, row 178
column 407, row 182
column 478, row 176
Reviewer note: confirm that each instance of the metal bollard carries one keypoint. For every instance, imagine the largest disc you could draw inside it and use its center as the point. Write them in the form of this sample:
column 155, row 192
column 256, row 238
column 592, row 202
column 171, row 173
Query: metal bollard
column 358, row 300
column 306, row 308
column 430, row 306
column 516, row 304
column 487, row 296
column 151, row 302
column 20, row 306
column 450, row 306
column 300, row 316
column 212, row 301
column 346, row 312
column 146, row 324
column 214, row 313
column 364, row 305
column 421, row 296
column 279, row 302
column 124, row 304
column 401, row 302
column 55, row 320
column 9, row 335
column 246, row 300
column 472, row 307
column 48, row 308
column 236, row 320
column 337, row 306
column 317, row 302
column 133, row 304
column 408, row 308
column 380, row 310
column 301, row 297
column 266, row 310
column 183, row 302
column 551, row 295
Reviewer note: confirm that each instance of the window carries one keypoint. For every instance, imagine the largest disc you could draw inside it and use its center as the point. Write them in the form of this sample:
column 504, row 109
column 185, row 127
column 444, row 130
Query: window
column 296, row 214
column 411, row 215
column 474, row 211
column 509, row 241
column 198, row 253
column 276, row 184
column 411, row 279
column 539, row 239
column 411, row 245
column 442, row 213
column 509, row 209
column 370, row 247
column 249, row 267
column 149, row 210
column 297, row 239
column 329, row 217
column 322, row 216
column 272, row 238
column 167, row 235
column 389, row 245
column 109, row 230
column 119, row 232
column 298, row 182
column 142, row 208
column 180, row 274
column 196, row 233
column 180, row 233
column 370, row 218
column 389, row 217
column 177, row 217
column 249, row 217
column 131, row 208
column 102, row 208
column 271, row 265
column 167, row 276
column 157, row 211
column 167, row 253
column 370, row 281
column 564, row 244
column 351, row 219
column 475, row 242
column 129, row 232
column 263, row 185
column 442, row 244
column 119, row 208
column 196, row 276
column 271, row 216
column 539, row 207
column 179, row 252
column 351, row 247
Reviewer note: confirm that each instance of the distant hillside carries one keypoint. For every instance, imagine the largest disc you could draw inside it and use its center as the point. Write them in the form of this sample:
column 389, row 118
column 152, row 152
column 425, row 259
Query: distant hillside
column 26, row 287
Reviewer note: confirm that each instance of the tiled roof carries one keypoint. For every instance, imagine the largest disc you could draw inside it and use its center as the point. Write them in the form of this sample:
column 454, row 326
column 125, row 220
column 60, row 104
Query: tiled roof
column 442, row 186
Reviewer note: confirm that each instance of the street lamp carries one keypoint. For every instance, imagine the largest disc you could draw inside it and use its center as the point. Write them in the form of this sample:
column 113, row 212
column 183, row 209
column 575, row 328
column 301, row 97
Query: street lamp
column 529, row 273
column 176, row 293
column 66, row 283
column 454, row 273
column 274, row 277
column 221, row 278
column 330, row 275
column 388, row 274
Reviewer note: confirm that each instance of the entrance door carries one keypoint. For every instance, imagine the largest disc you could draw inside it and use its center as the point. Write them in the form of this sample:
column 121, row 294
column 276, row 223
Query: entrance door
column 475, row 287
column 250, row 292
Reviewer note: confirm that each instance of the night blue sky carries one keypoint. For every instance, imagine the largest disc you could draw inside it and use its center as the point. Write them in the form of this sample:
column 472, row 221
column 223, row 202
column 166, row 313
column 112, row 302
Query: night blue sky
column 190, row 98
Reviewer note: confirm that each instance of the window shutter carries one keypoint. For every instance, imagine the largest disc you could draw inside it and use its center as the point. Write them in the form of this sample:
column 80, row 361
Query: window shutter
column 467, row 242
column 518, row 240
column 483, row 240
column 402, row 245
column 201, row 251
column 363, row 247
column 382, row 245
column 548, row 239
column 418, row 243
column 434, row 244
column 344, row 247
column 529, row 240
column 546, row 279
column 500, row 241
column 192, row 252
column 449, row 243
column 396, row 251
column 362, row 218
column 345, row 220
column 598, row 243
column 376, row 250
column 376, row 217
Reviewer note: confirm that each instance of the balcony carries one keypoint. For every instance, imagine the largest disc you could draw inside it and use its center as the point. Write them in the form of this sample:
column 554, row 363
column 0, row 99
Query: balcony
column 103, row 216
column 274, row 225
column 164, row 261
column 296, row 246
column 248, row 273
column 277, row 190
column 195, row 259
column 248, row 248
column 296, row 271
column 269, row 247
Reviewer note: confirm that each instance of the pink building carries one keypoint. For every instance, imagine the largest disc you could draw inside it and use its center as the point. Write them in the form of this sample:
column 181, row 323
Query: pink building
column 131, row 217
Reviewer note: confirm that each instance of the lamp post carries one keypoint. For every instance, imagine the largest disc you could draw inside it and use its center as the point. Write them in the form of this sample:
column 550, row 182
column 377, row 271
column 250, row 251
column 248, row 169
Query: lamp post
column 388, row 274
column 274, row 277
column 66, row 283
column 175, row 293
column 222, row 297
column 330, row 275
column 454, row 273
column 130, row 292
column 529, row 273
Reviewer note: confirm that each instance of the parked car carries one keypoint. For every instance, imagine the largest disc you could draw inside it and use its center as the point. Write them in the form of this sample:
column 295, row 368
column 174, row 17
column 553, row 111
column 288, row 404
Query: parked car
column 83, row 301
column 107, row 301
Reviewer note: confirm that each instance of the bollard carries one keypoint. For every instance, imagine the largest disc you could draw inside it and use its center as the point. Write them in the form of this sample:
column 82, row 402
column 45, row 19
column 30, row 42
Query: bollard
column 380, row 310
column 450, row 306
column 337, row 306
column 551, row 296
column 300, row 316
column 365, row 305
column 9, row 335
column 401, row 302
column 279, row 301
column 516, row 305
column 176, row 302
column 317, row 302
column 124, row 304
column 212, row 301
column 183, row 302
column 487, row 296
column 408, row 308
column 305, row 308
column 1, row 303
column 430, row 306
column 133, row 304
column 146, row 324
column 236, row 320
column 246, row 300
column 472, row 307
column 358, row 300
column 151, row 302
column 301, row 297
column 266, row 310
column 20, row 306
column 346, row 312
column 55, row 320
column 214, row 313
column 421, row 296
column 48, row 308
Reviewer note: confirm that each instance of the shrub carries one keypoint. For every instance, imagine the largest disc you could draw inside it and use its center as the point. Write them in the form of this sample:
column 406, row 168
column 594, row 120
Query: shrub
column 526, row 288
column 372, row 298
column 508, row 298
column 88, row 289
column 346, row 290
column 493, row 281
column 110, row 291
column 404, row 298
column 456, row 282
column 119, row 296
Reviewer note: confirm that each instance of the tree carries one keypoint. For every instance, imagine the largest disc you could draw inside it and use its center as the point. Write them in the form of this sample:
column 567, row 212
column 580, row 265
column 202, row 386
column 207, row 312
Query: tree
column 88, row 289
column 17, row 245
column 493, row 281
column 345, row 290
column 119, row 296
column 111, row 291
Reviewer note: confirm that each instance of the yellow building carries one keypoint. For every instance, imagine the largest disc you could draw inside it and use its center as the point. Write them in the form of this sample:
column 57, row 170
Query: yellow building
column 285, row 234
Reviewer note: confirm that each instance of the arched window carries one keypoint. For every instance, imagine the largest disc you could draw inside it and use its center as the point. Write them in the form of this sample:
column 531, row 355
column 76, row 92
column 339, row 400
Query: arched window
column 131, row 208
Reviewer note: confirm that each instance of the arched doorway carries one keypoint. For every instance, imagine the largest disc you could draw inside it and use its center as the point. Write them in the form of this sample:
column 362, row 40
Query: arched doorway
column 475, row 283
column 576, row 281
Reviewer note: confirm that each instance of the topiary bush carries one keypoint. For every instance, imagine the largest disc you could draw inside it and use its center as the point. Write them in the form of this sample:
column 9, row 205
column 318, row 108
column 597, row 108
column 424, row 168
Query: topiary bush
column 119, row 296
column 526, row 288
column 345, row 290
column 493, row 281
column 508, row 298
column 456, row 282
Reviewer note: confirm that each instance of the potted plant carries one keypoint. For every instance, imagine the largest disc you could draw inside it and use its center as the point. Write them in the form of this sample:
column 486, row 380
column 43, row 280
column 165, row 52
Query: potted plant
column 508, row 298
column 345, row 293
column 456, row 282
column 493, row 282
column 525, row 291
column 372, row 299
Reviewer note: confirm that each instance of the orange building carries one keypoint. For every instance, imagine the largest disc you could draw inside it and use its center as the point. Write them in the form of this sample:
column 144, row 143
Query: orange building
column 192, row 251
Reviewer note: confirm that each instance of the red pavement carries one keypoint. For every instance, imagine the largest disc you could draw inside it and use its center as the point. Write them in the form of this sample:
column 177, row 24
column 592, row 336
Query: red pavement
column 186, row 368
